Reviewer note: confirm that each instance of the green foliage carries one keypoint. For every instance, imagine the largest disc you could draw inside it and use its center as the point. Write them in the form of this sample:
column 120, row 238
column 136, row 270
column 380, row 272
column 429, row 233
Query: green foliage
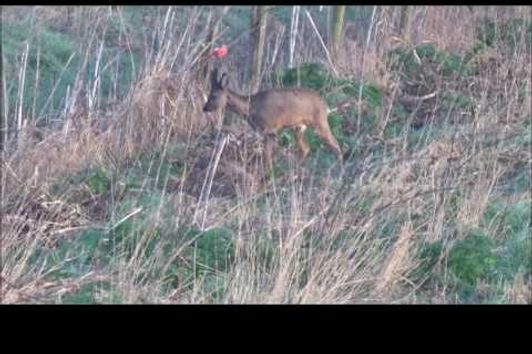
column 473, row 258
column 49, row 52
column 161, row 166
column 512, row 218
column 335, row 122
column 55, row 50
column 98, row 182
column 429, row 256
column 214, row 249
column 456, row 100
column 267, row 253
column 519, row 181
column 88, row 294
column 513, row 225
column 517, row 255
column 13, row 37
column 282, row 14
column 90, row 184
column 121, row 231
column 211, row 249
column 444, row 64
column 237, row 18
column 89, row 240
column 238, row 21
column 150, row 202
column 426, row 69
column 482, row 258
column 315, row 76
column 208, row 255
column 431, row 253
column 85, row 295
column 478, row 49
column 311, row 75
column 73, row 256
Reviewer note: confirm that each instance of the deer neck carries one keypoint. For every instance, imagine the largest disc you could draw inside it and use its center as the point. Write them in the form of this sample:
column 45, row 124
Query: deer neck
column 238, row 104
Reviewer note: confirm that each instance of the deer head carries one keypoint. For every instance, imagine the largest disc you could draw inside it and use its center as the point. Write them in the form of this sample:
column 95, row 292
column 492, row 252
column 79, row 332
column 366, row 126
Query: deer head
column 219, row 92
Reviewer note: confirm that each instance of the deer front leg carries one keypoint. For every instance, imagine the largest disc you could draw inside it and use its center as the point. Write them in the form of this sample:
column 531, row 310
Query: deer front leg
column 268, row 150
column 302, row 144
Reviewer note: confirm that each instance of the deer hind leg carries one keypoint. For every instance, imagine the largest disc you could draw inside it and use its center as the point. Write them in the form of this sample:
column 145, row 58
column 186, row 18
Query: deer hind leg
column 302, row 144
column 324, row 132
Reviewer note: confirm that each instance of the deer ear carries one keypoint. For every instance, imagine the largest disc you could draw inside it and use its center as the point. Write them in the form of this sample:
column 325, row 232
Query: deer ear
column 224, row 80
column 214, row 77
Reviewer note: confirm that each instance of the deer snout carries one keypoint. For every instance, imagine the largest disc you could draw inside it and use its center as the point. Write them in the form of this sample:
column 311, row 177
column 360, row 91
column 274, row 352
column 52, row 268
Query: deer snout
column 209, row 107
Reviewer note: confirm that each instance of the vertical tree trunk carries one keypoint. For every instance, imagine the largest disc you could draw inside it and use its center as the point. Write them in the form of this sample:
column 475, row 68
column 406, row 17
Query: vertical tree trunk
column 4, row 124
column 329, row 24
column 337, row 28
column 294, row 25
column 69, row 16
column 404, row 24
column 213, row 23
column 206, row 64
column 258, row 35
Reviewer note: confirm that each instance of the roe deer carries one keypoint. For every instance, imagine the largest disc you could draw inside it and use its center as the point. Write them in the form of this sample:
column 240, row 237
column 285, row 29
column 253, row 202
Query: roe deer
column 270, row 111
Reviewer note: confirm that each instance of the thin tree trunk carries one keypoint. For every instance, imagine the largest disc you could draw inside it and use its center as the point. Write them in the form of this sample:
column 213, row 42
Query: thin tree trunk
column 404, row 25
column 258, row 36
column 214, row 25
column 337, row 28
column 3, row 113
column 206, row 64
column 329, row 26
column 294, row 25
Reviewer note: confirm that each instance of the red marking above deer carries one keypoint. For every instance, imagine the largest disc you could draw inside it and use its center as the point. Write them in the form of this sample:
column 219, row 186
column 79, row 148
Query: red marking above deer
column 220, row 52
